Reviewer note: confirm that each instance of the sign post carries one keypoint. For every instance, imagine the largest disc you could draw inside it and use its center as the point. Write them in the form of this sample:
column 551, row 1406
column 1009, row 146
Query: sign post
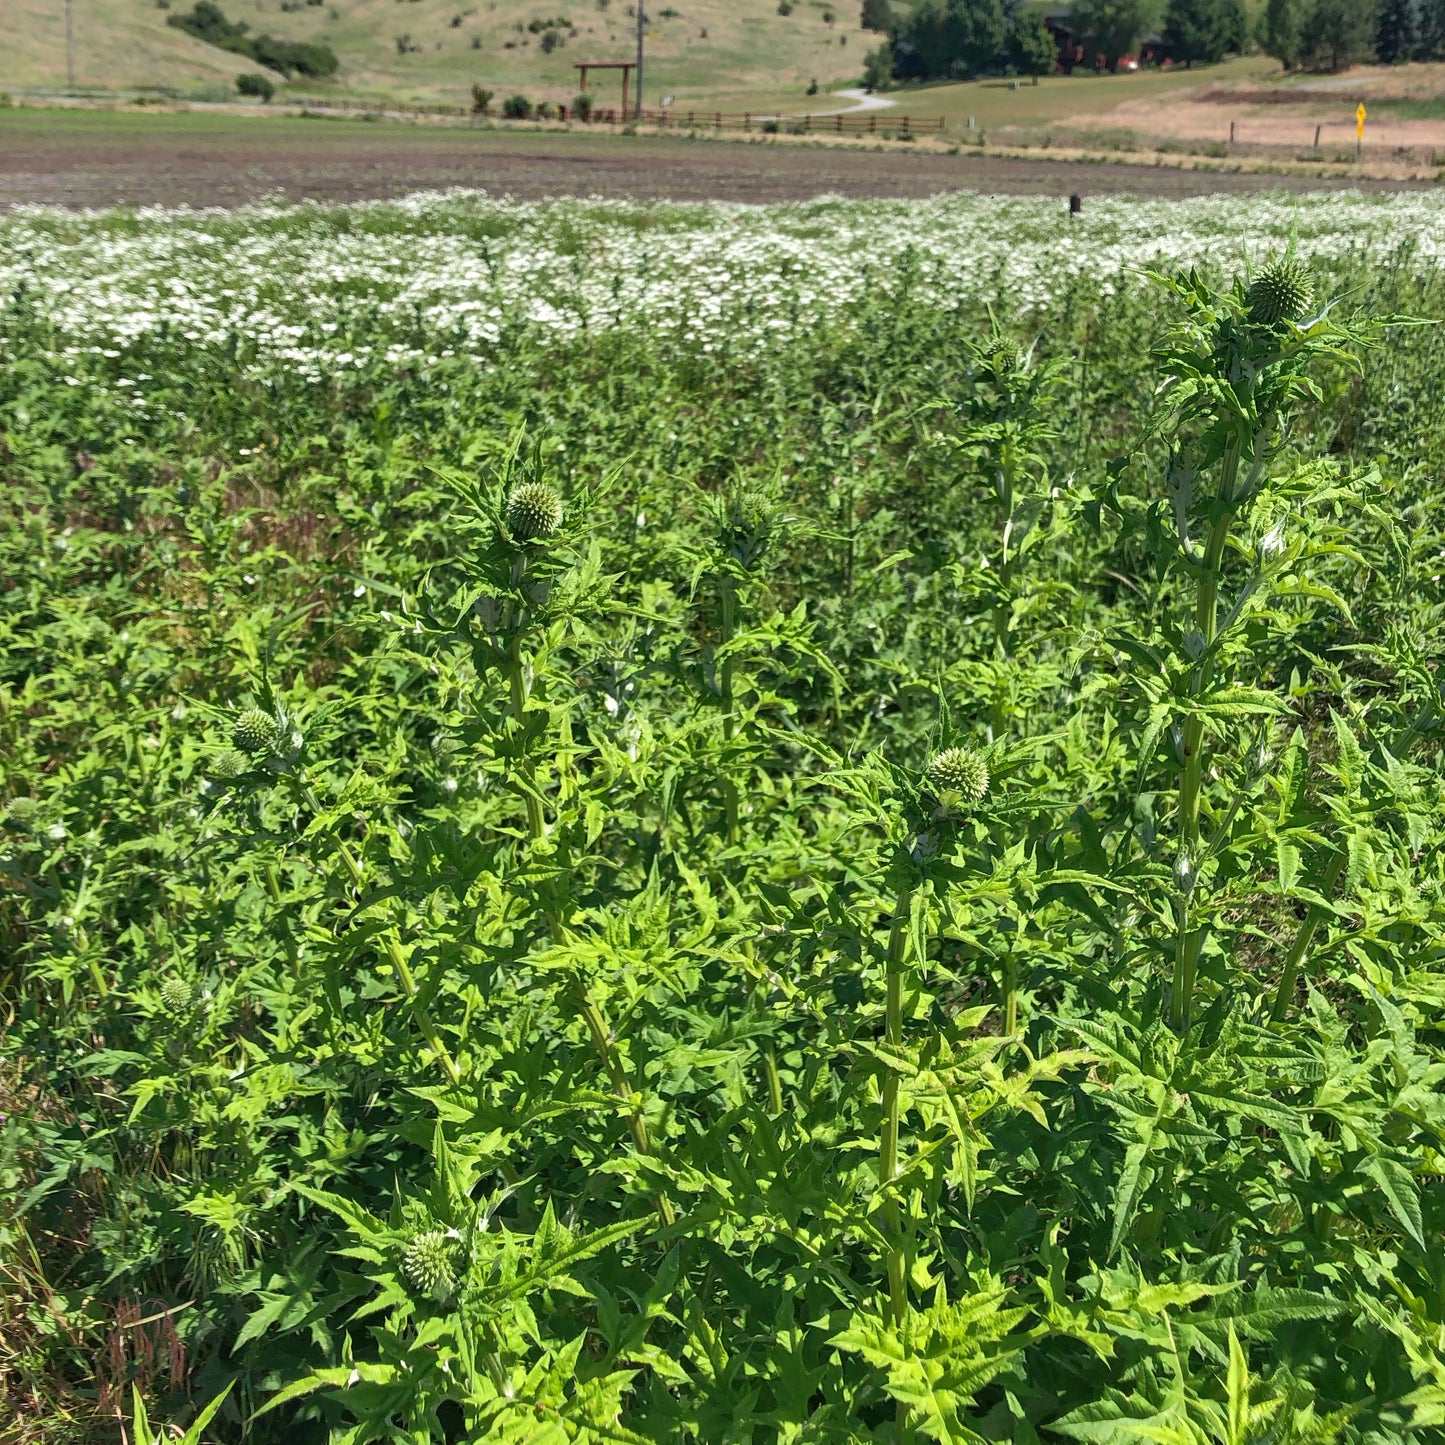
column 1360, row 129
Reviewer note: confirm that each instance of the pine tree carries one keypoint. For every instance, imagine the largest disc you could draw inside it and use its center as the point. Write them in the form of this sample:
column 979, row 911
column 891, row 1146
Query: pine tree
column 1397, row 31
column 1430, row 30
column 877, row 15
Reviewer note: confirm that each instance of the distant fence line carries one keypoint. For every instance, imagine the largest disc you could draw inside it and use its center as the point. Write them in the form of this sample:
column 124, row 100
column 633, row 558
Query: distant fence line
column 876, row 122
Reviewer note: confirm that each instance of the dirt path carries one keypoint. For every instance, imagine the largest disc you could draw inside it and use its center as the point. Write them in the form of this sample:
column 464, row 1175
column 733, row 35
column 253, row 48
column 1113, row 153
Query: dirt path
column 95, row 159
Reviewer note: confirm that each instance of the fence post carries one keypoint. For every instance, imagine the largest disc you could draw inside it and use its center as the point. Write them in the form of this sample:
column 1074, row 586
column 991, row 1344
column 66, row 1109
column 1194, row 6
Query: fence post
column 807, row 125
column 747, row 121
column 873, row 124
column 839, row 120
column 717, row 120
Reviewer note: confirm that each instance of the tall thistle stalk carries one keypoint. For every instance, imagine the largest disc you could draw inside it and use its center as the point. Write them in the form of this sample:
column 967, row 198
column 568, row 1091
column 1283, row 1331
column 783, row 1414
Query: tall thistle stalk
column 951, row 790
column 532, row 516
column 1007, row 423
column 744, row 525
column 1237, row 365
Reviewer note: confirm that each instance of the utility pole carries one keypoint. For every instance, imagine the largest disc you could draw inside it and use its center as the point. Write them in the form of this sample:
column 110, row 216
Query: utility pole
column 69, row 48
column 641, row 21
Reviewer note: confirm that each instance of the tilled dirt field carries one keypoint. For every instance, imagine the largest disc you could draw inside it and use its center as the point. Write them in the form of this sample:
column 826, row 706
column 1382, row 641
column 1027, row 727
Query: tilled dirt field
column 100, row 159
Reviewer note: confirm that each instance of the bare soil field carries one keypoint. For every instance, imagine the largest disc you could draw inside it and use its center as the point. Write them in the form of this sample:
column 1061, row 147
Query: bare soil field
column 96, row 159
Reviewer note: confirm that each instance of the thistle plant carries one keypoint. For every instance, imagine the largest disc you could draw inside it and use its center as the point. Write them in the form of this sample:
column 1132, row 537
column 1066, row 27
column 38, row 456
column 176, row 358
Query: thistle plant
column 1004, row 427
column 1239, row 365
column 270, row 747
column 745, row 522
column 429, row 1264
column 530, row 578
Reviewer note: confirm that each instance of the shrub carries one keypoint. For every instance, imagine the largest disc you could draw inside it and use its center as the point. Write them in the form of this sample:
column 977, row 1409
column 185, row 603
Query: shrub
column 878, row 67
column 481, row 100
column 551, row 40
column 517, row 107
column 252, row 82
column 582, row 107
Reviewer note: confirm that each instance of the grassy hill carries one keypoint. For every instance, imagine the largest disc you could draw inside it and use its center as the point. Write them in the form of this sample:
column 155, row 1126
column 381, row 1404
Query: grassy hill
column 435, row 49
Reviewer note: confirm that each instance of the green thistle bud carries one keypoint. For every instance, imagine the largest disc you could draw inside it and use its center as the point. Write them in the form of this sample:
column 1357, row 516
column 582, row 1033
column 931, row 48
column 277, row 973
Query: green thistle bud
column 1004, row 360
column 747, row 528
column 428, row 1264
column 256, row 732
column 177, row 996
column 23, row 813
column 1282, row 291
column 229, row 764
column 958, row 779
column 534, row 511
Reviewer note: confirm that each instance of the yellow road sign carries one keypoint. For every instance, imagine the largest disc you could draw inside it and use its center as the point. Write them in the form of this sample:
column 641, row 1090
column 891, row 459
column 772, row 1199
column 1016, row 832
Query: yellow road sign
column 1360, row 121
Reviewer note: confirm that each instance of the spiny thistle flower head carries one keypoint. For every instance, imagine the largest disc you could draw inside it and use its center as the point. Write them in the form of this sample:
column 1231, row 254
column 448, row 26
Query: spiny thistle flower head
column 256, row 732
column 746, row 528
column 958, row 779
column 1280, row 291
column 23, row 813
column 1003, row 359
column 229, row 764
column 428, row 1262
column 534, row 511
column 177, row 996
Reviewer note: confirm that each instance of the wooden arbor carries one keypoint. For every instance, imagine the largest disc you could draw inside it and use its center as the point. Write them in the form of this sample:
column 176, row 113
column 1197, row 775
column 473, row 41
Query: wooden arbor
column 625, row 66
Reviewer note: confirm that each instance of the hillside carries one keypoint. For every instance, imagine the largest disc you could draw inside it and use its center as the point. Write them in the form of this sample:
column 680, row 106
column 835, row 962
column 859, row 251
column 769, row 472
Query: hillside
column 435, row 49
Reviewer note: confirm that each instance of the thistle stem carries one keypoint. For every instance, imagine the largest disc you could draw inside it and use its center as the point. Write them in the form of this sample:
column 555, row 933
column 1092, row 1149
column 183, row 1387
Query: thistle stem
column 775, row 1084
column 729, row 715
column 1010, row 996
column 1188, row 940
column 888, row 1140
column 601, row 1033
column 1284, row 994
column 391, row 943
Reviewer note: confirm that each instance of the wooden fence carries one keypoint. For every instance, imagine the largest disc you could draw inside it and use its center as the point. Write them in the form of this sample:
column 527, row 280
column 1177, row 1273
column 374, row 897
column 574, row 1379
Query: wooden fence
column 873, row 122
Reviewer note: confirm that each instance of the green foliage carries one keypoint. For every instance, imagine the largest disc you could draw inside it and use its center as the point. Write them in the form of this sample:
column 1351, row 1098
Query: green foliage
column 947, row 38
column 254, row 83
column 207, row 22
column 1203, row 29
column 885, row 885
column 1032, row 48
column 1113, row 27
column 877, row 15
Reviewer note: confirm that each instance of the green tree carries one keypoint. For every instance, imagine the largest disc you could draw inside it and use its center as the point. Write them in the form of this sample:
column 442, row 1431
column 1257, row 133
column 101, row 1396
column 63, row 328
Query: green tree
column 1113, row 26
column 877, row 16
column 878, row 67
column 1430, row 30
column 1203, row 29
column 950, row 37
column 1397, row 31
column 1340, row 32
column 1281, row 32
column 1031, row 45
